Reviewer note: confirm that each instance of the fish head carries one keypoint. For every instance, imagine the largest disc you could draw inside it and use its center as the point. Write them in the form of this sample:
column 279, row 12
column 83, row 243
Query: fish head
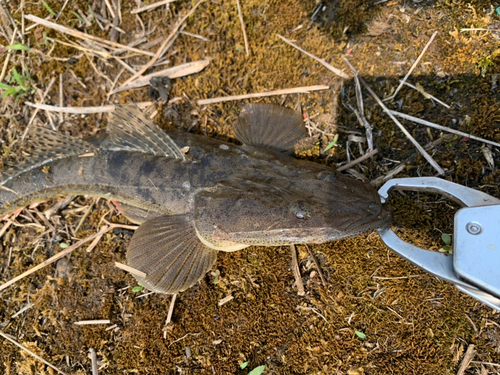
column 312, row 207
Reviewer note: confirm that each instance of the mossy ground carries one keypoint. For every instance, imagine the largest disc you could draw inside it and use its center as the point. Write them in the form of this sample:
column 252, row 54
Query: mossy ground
column 414, row 323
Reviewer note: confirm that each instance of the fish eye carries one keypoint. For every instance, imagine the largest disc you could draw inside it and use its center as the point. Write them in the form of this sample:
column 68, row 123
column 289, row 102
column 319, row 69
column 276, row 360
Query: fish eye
column 301, row 211
column 301, row 215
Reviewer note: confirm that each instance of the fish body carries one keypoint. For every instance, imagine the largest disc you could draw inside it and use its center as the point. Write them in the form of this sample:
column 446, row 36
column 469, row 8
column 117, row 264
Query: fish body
column 214, row 196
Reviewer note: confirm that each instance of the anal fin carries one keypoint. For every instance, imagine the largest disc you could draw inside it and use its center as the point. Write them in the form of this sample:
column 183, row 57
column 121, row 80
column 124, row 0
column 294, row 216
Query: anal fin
column 168, row 250
column 135, row 214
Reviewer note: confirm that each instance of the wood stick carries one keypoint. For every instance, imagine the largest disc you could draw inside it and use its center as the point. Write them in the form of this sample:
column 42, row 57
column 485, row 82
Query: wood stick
column 243, row 27
column 89, row 322
column 61, row 254
column 469, row 354
column 93, row 358
column 78, row 34
column 169, row 315
column 295, row 90
column 61, row 99
column 7, row 58
column 335, row 70
column 160, row 51
column 8, row 338
column 151, row 6
column 131, row 270
column 358, row 160
column 48, row 261
column 424, row 153
column 426, row 94
column 296, row 272
column 443, row 128
column 173, row 72
column 413, row 66
column 318, row 267
column 73, row 110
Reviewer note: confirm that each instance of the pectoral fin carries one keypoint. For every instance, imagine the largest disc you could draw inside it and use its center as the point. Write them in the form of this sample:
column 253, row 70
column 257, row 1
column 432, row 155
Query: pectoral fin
column 169, row 252
column 270, row 125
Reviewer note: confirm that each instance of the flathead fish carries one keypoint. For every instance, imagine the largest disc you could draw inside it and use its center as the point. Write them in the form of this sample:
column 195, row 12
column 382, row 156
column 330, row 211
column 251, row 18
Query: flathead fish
column 194, row 196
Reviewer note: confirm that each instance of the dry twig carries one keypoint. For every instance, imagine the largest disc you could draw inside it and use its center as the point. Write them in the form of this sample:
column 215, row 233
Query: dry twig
column 60, row 255
column 443, row 128
column 295, row 90
column 169, row 315
column 337, row 71
column 7, row 58
column 79, row 34
column 358, row 160
column 8, row 338
column 93, row 358
column 74, row 110
column 403, row 129
column 151, row 6
column 469, row 354
column 173, row 72
column 425, row 94
column 131, row 270
column 296, row 272
column 243, row 27
column 165, row 43
column 318, row 267
column 413, row 67
column 90, row 322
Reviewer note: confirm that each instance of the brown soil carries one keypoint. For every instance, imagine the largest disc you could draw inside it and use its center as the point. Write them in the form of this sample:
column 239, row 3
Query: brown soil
column 414, row 323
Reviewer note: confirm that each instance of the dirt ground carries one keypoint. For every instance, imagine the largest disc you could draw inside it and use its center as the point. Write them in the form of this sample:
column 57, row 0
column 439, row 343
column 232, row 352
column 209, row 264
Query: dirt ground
column 377, row 314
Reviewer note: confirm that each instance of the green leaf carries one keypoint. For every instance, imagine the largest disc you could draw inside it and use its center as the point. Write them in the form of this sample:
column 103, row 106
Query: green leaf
column 258, row 370
column 91, row 12
column 63, row 245
column 243, row 365
column 80, row 19
column 137, row 289
column 18, row 47
column 446, row 238
column 4, row 86
column 446, row 249
column 48, row 8
column 332, row 143
column 360, row 334
column 7, row 93
column 20, row 79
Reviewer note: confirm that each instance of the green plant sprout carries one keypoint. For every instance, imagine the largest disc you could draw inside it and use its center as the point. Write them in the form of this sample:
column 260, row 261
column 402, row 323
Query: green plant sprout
column 23, row 85
column 258, row 370
column 216, row 275
column 138, row 288
column 360, row 334
column 447, row 247
column 49, row 9
column 332, row 143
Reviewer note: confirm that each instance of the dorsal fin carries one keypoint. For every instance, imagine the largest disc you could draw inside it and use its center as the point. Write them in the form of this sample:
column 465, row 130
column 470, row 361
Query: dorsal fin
column 131, row 129
column 269, row 125
column 47, row 145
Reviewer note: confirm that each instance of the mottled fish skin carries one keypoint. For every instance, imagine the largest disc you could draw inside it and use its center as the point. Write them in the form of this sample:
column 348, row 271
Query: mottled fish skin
column 216, row 197
column 338, row 204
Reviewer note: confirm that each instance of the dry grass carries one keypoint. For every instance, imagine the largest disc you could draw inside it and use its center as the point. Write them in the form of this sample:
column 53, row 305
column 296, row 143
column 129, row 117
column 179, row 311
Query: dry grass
column 414, row 324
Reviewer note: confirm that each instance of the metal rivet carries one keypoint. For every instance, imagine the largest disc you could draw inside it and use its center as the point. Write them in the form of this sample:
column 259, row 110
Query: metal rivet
column 474, row 227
